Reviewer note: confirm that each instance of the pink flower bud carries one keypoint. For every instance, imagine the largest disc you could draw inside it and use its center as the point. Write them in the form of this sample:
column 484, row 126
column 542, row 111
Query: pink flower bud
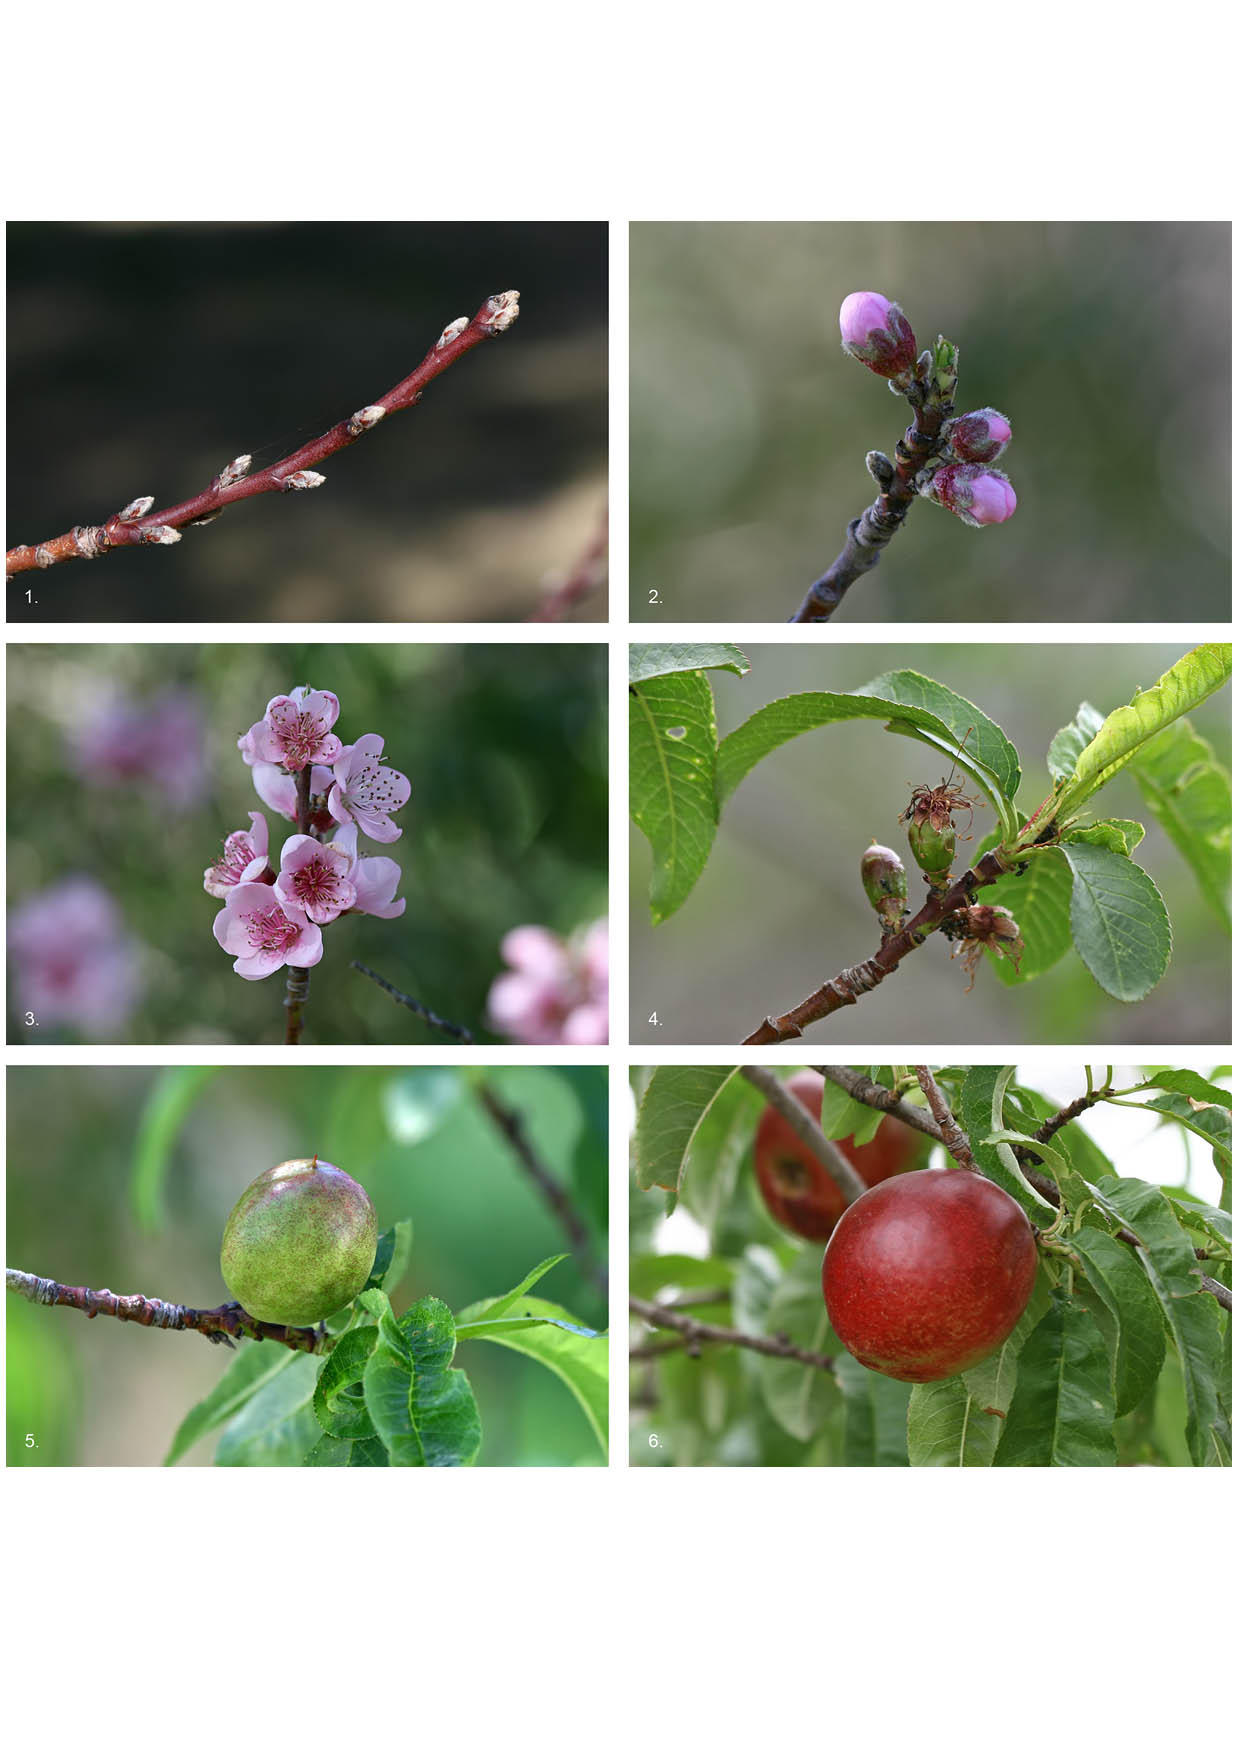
column 975, row 494
column 977, row 437
column 876, row 331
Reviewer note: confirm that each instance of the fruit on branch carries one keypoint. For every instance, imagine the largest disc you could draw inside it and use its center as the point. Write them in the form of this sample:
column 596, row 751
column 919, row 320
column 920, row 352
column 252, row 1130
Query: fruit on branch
column 299, row 1244
column 927, row 1275
column 885, row 880
column 932, row 840
column 978, row 437
column 877, row 332
column 796, row 1188
column 975, row 494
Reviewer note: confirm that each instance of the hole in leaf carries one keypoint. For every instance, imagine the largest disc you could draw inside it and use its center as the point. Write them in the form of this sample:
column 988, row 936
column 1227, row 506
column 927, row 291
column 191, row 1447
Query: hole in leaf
column 677, row 734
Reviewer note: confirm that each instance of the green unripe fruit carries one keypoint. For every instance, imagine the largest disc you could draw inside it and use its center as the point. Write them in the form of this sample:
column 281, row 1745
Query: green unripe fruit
column 299, row 1244
column 933, row 843
column 886, row 885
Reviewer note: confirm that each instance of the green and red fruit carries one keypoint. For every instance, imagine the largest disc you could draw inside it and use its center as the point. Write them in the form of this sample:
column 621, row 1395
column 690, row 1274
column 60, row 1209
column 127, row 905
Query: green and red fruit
column 797, row 1189
column 927, row 1275
column 299, row 1244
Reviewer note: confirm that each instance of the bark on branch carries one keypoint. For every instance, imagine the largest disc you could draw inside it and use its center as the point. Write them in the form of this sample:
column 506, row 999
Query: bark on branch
column 694, row 1331
column 428, row 1015
column 794, row 1114
column 219, row 1324
column 138, row 525
column 856, row 981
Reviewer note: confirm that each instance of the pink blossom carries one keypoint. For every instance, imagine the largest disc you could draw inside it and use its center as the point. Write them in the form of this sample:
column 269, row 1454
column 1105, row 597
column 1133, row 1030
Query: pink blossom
column 877, row 332
column 294, row 731
column 159, row 742
column 259, row 927
column 374, row 878
column 975, row 494
column 978, row 437
column 366, row 792
column 314, row 879
column 279, row 791
column 73, row 963
column 557, row 991
column 244, row 859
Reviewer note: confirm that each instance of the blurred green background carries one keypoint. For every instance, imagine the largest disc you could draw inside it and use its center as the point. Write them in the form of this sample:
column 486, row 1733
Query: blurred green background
column 1106, row 345
column 98, row 1392
column 142, row 358
column 779, row 907
column 506, row 750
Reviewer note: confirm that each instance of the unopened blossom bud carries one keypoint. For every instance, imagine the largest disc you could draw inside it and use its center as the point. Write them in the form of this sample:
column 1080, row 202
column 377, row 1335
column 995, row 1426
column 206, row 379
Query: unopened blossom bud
column 977, row 437
column 876, row 331
column 886, row 886
column 975, row 494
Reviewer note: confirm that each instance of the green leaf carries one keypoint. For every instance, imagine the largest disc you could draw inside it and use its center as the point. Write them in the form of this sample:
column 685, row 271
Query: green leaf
column 1211, row 1123
column 1070, row 742
column 651, row 1271
column 171, row 1095
column 338, row 1401
column 1039, row 900
column 503, row 1303
column 675, row 1102
column 672, row 753
column 648, row 662
column 1192, row 1085
column 1193, row 678
column 1136, row 1342
column 391, row 1257
column 875, row 1415
column 1120, row 836
column 1166, row 1256
column 580, row 1362
column 716, row 1182
column 277, row 1426
column 422, row 1408
column 981, row 1114
column 957, row 1422
column 1189, row 795
column 1062, row 1407
column 783, row 719
column 249, row 1371
column 800, row 1398
column 966, row 724
column 1120, row 925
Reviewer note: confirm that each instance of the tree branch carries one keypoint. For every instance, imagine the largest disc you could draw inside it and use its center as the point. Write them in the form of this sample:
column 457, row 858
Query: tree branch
column 794, row 1114
column 509, row 1122
column 219, row 1324
column 138, row 525
column 694, row 1331
column 869, row 533
column 428, row 1015
column 868, row 1093
column 857, row 981
column 952, row 1137
column 587, row 574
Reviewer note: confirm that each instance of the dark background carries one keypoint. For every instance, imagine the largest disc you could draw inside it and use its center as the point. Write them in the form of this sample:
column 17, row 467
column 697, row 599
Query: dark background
column 143, row 358
column 98, row 1392
column 1106, row 345
column 505, row 747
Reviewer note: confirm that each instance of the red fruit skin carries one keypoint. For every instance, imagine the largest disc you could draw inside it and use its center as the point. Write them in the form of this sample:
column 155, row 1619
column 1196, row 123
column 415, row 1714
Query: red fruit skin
column 797, row 1189
column 925, row 1276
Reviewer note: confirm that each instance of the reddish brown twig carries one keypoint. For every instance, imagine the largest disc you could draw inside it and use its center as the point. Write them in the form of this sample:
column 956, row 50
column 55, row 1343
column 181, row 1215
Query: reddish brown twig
column 869, row 533
column 587, row 575
column 695, row 1332
column 219, row 1324
column 856, row 981
column 139, row 525
column 952, row 1137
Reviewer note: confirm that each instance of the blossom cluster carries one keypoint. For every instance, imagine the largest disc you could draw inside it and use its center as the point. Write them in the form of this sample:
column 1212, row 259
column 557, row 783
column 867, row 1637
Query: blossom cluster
column 556, row 990
column 876, row 332
column 73, row 962
column 275, row 916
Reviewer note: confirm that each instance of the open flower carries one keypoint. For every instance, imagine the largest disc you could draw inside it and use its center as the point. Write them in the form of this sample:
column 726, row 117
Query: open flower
column 244, row 859
column 374, row 878
column 279, row 791
column 295, row 731
column 365, row 791
column 71, row 961
column 556, row 993
column 264, row 932
column 314, row 879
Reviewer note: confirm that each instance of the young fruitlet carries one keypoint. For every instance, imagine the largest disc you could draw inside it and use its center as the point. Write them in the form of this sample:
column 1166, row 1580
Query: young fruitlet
column 886, row 886
column 931, row 830
column 299, row 1244
column 927, row 1275
column 797, row 1189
